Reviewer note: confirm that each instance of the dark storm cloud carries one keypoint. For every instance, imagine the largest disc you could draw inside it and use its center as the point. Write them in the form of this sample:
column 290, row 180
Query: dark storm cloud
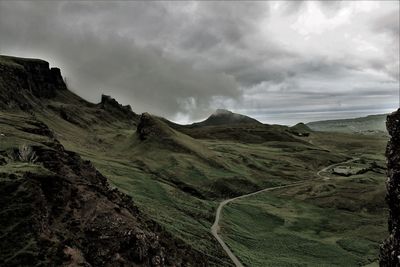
column 101, row 58
column 184, row 59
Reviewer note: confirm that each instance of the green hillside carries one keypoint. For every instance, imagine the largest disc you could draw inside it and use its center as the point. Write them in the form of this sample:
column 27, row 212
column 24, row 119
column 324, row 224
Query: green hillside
column 366, row 125
column 225, row 117
column 177, row 175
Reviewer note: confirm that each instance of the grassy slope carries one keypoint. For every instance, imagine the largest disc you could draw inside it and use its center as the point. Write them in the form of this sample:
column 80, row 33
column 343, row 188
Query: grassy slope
column 250, row 167
column 368, row 124
column 273, row 230
column 337, row 222
column 145, row 173
column 181, row 189
column 159, row 179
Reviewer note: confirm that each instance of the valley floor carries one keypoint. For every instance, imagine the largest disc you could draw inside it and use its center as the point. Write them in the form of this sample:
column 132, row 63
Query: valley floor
column 326, row 222
column 271, row 229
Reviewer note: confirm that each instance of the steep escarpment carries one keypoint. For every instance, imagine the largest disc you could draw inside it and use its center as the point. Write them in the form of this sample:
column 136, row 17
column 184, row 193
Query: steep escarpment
column 23, row 81
column 31, row 85
column 390, row 250
column 62, row 212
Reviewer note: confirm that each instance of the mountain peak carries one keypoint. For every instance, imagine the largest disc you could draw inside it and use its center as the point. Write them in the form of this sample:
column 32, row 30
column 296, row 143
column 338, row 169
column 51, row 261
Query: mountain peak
column 226, row 117
column 221, row 112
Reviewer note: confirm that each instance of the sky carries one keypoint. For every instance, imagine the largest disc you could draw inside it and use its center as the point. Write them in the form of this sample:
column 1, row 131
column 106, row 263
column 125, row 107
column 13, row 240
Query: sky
column 277, row 61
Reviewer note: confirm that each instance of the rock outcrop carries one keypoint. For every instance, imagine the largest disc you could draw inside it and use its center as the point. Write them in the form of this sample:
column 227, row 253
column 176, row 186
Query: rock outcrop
column 24, row 80
column 111, row 105
column 300, row 129
column 150, row 126
column 390, row 249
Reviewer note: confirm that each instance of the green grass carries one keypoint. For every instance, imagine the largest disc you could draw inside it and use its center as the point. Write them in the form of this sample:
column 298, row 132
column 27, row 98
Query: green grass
column 16, row 170
column 337, row 222
column 253, row 166
column 368, row 125
column 266, row 230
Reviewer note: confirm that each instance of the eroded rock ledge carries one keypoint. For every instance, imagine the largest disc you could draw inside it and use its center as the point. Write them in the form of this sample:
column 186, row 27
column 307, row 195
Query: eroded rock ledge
column 23, row 80
column 390, row 249
column 111, row 105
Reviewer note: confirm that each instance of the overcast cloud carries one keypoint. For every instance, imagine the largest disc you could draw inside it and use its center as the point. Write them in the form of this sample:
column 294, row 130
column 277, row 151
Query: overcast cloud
column 280, row 62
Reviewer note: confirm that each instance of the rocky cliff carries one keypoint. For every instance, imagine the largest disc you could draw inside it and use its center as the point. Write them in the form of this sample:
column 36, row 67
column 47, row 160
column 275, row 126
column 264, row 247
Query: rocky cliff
column 56, row 208
column 22, row 81
column 111, row 105
column 390, row 250
column 31, row 85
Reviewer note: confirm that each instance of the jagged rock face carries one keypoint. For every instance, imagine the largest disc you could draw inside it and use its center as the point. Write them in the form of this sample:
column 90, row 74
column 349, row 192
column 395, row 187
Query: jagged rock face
column 110, row 104
column 43, row 81
column 23, row 80
column 390, row 250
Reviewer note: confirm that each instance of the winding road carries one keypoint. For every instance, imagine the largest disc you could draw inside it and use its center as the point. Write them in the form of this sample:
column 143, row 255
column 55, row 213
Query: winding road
column 215, row 227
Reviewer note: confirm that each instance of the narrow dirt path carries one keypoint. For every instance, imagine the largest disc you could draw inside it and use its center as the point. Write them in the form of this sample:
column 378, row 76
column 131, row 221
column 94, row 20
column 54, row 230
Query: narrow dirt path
column 215, row 227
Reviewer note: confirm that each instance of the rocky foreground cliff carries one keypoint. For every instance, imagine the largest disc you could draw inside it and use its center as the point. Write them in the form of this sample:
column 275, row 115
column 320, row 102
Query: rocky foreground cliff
column 390, row 250
column 58, row 210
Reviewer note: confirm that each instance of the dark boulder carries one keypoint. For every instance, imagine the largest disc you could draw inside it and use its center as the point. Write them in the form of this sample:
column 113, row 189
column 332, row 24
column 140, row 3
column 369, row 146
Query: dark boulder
column 151, row 127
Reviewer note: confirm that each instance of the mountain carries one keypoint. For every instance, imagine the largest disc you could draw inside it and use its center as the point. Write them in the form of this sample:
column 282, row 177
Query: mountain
column 60, row 209
column 226, row 117
column 153, row 131
column 366, row 125
column 300, row 129
column 226, row 125
column 95, row 184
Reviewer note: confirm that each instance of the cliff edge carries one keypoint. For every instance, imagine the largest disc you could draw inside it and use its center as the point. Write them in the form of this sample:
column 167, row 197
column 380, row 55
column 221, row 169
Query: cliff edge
column 390, row 249
column 24, row 81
